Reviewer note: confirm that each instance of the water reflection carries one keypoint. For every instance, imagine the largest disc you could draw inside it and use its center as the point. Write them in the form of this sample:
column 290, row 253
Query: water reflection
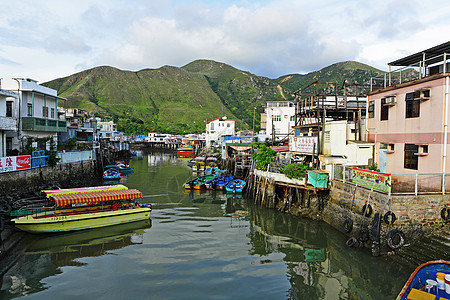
column 40, row 256
column 201, row 245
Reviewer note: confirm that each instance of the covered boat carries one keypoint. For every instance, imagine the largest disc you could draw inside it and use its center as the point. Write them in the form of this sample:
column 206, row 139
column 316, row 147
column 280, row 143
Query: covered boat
column 424, row 282
column 236, row 186
column 89, row 189
column 124, row 168
column 86, row 210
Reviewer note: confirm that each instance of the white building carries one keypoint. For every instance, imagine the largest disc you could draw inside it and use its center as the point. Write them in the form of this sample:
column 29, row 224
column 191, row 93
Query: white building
column 218, row 128
column 279, row 118
column 8, row 119
column 106, row 130
column 35, row 109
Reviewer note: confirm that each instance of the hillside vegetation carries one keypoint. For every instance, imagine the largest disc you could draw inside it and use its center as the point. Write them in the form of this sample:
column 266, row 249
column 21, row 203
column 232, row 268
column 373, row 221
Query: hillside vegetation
column 180, row 100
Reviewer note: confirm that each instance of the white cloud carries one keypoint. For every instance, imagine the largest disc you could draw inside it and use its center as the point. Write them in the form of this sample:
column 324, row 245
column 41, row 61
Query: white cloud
column 269, row 38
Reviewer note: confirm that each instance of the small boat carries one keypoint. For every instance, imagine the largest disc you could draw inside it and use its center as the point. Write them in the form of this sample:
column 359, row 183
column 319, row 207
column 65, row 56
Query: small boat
column 198, row 183
column 124, row 168
column 111, row 173
column 235, row 186
column 88, row 189
column 198, row 166
column 422, row 282
column 186, row 151
column 213, row 171
column 86, row 210
column 219, row 183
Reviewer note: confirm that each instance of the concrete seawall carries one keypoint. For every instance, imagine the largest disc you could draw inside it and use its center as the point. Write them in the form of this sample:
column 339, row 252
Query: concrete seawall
column 356, row 211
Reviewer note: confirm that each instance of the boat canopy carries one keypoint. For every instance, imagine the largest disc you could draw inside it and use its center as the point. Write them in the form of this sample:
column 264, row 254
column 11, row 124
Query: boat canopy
column 95, row 197
column 89, row 189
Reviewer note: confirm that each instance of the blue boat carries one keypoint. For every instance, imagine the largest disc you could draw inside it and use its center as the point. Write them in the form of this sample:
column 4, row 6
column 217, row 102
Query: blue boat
column 111, row 173
column 219, row 183
column 417, row 286
column 236, row 186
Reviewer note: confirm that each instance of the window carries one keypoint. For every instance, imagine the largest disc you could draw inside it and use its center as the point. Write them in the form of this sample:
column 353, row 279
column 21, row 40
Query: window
column 411, row 159
column 52, row 113
column 384, row 110
column 29, row 109
column 45, row 112
column 371, row 109
column 276, row 118
column 292, row 119
column 412, row 105
column 9, row 109
column 228, row 125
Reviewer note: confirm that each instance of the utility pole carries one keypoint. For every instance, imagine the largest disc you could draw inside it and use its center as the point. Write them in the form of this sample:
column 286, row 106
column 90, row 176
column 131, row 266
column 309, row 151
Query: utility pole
column 253, row 130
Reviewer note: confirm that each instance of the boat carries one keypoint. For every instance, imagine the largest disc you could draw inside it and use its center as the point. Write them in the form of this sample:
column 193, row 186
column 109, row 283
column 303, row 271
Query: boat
column 214, row 171
column 124, row 168
column 198, row 183
column 198, row 166
column 88, row 189
column 111, row 173
column 86, row 210
column 422, row 282
column 219, row 183
column 235, row 186
column 186, row 151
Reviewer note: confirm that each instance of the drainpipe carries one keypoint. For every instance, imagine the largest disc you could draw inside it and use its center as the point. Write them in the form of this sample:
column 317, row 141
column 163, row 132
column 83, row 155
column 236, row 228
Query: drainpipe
column 444, row 155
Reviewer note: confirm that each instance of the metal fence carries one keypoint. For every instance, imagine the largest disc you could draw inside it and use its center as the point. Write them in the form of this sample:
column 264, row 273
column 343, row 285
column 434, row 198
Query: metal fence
column 413, row 184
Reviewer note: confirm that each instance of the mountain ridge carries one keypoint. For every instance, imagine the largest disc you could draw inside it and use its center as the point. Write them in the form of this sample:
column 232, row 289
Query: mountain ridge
column 180, row 99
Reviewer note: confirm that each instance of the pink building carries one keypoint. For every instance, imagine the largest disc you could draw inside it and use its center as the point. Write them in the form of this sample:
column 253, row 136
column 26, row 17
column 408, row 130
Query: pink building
column 408, row 114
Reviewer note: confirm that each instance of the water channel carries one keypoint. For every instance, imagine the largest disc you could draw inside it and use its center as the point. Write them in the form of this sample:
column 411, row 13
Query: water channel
column 205, row 245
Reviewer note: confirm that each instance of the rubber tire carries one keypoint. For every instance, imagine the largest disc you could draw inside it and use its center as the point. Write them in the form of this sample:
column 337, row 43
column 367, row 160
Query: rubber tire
column 363, row 235
column 351, row 242
column 367, row 210
column 445, row 211
column 386, row 217
column 348, row 225
column 390, row 236
column 5, row 208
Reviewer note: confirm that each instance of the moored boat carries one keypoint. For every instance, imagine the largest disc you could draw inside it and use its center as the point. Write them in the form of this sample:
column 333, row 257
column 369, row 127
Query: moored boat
column 424, row 282
column 186, row 151
column 86, row 210
column 219, row 183
column 198, row 183
column 124, row 168
column 111, row 173
column 235, row 186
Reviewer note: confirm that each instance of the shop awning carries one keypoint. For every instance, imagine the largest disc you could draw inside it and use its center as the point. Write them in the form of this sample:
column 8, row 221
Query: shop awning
column 95, row 197
column 89, row 189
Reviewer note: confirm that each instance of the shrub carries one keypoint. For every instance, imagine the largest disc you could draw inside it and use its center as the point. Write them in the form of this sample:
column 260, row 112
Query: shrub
column 296, row 170
column 263, row 157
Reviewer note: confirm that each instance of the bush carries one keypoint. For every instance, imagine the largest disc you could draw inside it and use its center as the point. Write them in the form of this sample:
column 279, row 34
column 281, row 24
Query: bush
column 264, row 157
column 296, row 170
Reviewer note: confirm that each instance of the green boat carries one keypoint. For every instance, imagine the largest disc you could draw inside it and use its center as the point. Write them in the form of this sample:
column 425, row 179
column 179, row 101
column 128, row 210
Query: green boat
column 199, row 182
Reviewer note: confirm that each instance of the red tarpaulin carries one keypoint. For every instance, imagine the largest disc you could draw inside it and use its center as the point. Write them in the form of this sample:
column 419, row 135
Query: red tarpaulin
column 95, row 197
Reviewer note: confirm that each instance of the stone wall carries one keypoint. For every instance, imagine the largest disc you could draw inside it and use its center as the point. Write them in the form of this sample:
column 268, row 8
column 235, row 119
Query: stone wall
column 29, row 182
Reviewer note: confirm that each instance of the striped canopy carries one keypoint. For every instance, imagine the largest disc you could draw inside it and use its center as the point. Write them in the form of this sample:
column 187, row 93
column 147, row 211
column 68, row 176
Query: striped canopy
column 89, row 189
column 95, row 197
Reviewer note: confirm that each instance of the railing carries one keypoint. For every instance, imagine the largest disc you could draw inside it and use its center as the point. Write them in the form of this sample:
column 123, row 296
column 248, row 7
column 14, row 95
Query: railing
column 408, row 73
column 407, row 184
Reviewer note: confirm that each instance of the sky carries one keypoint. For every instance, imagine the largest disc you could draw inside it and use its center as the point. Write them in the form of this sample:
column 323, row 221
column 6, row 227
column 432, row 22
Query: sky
column 49, row 39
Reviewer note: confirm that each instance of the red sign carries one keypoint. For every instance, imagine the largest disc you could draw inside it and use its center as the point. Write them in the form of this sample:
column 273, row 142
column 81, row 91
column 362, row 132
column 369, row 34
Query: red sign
column 15, row 163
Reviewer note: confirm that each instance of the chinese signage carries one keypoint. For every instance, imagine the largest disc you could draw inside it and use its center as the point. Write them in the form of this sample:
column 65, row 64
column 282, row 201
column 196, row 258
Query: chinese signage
column 374, row 180
column 15, row 163
column 305, row 144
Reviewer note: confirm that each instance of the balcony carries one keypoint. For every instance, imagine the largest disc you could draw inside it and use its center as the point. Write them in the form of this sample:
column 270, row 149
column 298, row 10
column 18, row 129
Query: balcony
column 40, row 124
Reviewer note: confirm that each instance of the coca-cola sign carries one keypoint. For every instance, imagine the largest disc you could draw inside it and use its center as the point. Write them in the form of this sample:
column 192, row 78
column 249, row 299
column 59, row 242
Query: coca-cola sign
column 15, row 163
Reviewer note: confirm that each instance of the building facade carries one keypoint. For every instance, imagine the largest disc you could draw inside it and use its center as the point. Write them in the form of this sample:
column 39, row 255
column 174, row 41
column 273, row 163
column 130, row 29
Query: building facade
column 36, row 111
column 408, row 120
column 217, row 129
column 279, row 118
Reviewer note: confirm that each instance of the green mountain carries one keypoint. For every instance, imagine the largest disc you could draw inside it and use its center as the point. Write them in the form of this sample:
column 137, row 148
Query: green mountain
column 180, row 100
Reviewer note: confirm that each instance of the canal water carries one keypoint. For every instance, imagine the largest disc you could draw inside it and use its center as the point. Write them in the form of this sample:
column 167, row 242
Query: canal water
column 206, row 245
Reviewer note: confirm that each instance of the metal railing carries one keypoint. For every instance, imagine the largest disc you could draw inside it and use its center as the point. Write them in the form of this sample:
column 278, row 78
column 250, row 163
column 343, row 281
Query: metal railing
column 407, row 184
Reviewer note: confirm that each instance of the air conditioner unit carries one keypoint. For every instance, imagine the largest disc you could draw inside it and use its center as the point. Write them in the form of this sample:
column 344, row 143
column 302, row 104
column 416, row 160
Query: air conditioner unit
column 391, row 100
